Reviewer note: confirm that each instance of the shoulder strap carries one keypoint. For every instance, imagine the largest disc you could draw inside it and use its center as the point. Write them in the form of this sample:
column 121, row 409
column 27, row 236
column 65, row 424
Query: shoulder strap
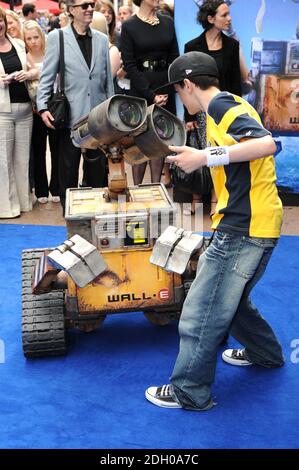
column 61, row 60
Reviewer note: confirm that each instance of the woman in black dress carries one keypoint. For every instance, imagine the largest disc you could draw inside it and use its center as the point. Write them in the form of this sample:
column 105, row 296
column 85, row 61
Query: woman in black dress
column 148, row 46
column 214, row 17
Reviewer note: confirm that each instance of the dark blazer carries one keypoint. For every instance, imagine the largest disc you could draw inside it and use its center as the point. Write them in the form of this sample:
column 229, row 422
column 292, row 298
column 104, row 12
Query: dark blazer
column 230, row 75
column 85, row 87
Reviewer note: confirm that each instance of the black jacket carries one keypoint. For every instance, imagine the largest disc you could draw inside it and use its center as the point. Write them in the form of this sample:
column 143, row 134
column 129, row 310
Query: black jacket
column 229, row 75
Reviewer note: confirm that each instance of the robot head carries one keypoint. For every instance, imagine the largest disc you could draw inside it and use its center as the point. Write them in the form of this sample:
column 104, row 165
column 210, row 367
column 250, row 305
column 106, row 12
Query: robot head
column 163, row 129
column 127, row 122
column 110, row 121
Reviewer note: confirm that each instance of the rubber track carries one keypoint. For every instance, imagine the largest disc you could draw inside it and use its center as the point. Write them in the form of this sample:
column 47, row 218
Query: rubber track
column 43, row 323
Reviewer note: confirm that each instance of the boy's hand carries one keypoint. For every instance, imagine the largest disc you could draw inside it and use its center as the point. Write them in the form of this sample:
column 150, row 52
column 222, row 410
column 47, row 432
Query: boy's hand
column 187, row 158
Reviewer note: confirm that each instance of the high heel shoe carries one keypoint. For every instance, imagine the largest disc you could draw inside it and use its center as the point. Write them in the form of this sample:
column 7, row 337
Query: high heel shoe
column 42, row 200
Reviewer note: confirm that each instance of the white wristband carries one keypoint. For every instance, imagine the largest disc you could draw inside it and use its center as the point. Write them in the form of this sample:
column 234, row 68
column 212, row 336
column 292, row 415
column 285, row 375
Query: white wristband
column 217, row 156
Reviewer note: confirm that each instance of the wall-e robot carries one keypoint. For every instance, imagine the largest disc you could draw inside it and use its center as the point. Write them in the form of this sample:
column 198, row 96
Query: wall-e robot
column 123, row 251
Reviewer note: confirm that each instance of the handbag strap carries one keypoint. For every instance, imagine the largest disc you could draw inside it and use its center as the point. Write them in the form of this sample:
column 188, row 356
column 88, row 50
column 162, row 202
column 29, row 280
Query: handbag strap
column 61, row 61
column 198, row 142
column 194, row 132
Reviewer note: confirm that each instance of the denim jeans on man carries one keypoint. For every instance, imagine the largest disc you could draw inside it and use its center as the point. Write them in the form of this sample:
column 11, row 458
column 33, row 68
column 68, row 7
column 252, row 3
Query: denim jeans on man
column 218, row 301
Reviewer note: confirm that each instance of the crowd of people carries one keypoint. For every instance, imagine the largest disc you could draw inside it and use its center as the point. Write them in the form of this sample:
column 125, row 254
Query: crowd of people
column 140, row 45
column 98, row 64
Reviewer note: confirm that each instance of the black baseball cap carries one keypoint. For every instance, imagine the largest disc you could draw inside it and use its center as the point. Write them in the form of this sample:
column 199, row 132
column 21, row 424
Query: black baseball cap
column 191, row 64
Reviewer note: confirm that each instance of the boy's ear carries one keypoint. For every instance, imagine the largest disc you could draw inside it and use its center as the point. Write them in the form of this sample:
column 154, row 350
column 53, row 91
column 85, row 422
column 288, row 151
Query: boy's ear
column 188, row 84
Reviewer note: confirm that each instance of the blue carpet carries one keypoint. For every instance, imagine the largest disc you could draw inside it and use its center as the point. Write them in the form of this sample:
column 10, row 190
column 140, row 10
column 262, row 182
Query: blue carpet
column 94, row 397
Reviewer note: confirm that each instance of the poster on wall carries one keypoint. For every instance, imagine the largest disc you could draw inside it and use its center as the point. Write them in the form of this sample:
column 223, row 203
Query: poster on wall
column 268, row 31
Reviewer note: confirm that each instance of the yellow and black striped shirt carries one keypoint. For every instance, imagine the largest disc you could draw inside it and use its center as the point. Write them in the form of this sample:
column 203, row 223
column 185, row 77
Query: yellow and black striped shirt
column 248, row 201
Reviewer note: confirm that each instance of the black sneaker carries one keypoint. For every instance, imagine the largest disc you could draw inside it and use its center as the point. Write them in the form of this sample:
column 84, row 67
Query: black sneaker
column 236, row 357
column 161, row 396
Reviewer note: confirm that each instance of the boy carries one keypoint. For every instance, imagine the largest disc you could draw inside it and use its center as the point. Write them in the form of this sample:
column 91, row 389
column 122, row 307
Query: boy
column 247, row 226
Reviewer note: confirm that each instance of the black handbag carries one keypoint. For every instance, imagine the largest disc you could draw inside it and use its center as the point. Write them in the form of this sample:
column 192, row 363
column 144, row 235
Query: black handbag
column 58, row 104
column 197, row 182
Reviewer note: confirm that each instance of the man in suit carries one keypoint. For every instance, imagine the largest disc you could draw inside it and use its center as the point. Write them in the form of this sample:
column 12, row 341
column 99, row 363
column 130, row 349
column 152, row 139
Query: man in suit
column 88, row 82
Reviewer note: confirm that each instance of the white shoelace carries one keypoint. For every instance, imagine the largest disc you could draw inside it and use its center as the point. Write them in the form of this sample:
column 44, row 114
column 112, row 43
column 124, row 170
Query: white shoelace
column 165, row 391
column 239, row 353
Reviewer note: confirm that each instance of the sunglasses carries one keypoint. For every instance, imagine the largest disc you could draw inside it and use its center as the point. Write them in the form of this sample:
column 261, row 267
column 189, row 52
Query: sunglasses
column 84, row 6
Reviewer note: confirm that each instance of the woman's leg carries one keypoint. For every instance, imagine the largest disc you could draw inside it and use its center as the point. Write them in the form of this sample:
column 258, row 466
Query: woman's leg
column 166, row 176
column 10, row 205
column 96, row 174
column 23, row 131
column 69, row 161
column 54, row 181
column 138, row 173
column 39, row 146
column 156, row 167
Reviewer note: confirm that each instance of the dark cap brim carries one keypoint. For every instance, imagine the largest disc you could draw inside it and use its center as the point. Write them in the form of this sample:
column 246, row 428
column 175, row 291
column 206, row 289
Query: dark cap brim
column 166, row 89
column 169, row 86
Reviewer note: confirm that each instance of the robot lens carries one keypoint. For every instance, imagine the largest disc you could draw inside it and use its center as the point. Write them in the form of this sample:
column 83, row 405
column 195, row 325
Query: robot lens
column 164, row 127
column 130, row 114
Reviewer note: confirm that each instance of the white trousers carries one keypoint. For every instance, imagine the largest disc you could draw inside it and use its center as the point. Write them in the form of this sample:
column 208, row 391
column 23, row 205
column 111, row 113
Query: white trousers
column 15, row 139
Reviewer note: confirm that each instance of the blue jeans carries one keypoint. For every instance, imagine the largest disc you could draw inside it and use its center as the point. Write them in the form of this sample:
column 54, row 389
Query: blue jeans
column 218, row 302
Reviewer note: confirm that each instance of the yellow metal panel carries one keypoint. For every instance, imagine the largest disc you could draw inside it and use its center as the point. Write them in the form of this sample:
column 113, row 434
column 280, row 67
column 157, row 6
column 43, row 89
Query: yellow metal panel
column 130, row 282
column 71, row 287
column 85, row 202
column 92, row 201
